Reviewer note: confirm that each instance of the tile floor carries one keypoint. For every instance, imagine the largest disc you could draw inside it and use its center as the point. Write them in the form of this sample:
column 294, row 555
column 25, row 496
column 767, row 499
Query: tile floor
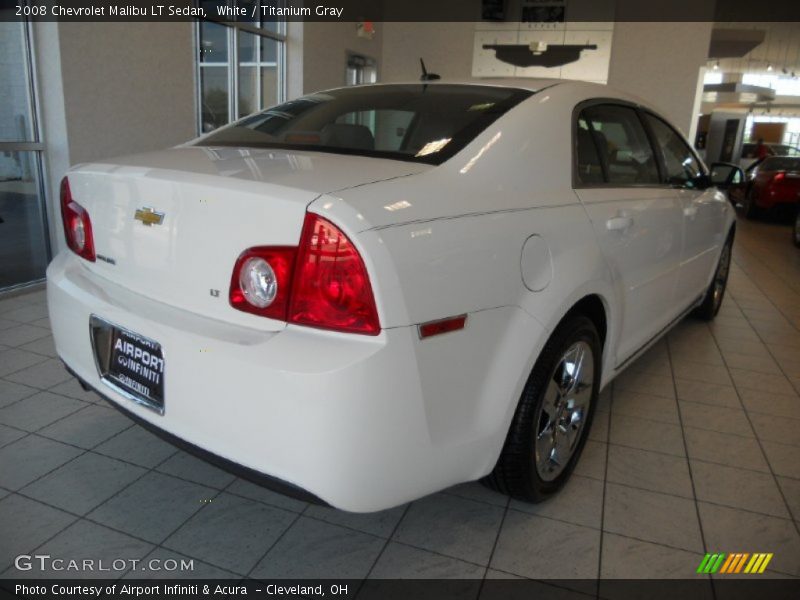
column 695, row 449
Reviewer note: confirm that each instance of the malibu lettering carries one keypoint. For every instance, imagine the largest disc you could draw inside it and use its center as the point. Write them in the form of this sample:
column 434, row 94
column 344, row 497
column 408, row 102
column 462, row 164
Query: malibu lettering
column 156, row 10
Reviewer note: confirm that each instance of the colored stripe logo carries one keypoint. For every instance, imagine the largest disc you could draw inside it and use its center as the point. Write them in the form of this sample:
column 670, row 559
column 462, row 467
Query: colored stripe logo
column 738, row 562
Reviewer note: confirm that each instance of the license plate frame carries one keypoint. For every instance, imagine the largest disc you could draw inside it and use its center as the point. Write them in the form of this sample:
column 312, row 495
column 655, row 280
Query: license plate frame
column 129, row 363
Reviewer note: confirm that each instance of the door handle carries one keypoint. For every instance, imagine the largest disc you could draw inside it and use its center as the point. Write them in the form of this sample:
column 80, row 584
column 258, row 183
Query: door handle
column 619, row 223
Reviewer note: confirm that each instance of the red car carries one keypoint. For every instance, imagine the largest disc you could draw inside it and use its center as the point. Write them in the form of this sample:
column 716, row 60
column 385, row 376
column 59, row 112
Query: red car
column 775, row 185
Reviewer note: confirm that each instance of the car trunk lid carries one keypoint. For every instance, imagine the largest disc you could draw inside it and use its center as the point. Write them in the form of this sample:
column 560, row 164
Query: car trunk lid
column 169, row 225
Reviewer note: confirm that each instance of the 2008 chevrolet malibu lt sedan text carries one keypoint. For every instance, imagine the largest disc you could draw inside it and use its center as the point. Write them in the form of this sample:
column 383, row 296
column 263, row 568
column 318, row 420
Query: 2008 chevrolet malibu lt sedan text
column 369, row 294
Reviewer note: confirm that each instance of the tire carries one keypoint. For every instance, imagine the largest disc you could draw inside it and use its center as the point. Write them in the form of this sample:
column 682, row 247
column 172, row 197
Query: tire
column 525, row 470
column 796, row 230
column 712, row 301
column 749, row 206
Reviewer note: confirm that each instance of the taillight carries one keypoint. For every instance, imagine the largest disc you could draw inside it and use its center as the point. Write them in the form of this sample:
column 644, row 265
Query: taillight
column 77, row 224
column 261, row 281
column 778, row 177
column 323, row 283
column 331, row 286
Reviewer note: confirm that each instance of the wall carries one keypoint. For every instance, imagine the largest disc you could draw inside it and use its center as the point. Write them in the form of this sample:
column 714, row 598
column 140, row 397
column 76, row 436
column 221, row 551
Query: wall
column 772, row 133
column 325, row 48
column 107, row 89
column 660, row 62
column 294, row 59
column 53, row 121
column 446, row 48
column 128, row 87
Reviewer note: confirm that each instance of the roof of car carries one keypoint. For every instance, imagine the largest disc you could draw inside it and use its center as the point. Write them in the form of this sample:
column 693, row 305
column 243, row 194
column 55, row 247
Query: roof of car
column 525, row 83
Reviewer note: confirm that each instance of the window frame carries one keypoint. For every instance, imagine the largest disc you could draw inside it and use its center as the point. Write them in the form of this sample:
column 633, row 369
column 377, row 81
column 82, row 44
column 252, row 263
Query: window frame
column 233, row 65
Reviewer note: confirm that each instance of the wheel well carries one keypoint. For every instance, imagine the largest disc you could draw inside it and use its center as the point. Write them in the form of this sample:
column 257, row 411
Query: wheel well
column 592, row 307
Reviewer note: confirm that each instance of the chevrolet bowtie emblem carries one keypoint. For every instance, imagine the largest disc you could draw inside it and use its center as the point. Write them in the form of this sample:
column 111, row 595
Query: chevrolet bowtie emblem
column 148, row 216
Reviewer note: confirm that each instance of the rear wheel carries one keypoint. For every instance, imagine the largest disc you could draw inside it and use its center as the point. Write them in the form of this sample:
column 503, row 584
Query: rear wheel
column 712, row 301
column 553, row 416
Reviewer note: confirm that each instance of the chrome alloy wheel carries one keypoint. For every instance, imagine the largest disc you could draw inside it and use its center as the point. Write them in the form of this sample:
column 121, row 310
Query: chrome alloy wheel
column 564, row 410
column 721, row 276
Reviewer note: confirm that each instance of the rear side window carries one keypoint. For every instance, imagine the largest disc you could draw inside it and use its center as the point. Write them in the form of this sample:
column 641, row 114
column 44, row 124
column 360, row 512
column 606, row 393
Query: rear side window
column 621, row 145
column 590, row 171
column 682, row 167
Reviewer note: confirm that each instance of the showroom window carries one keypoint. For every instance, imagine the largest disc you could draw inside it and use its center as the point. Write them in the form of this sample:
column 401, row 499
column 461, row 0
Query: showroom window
column 24, row 243
column 240, row 65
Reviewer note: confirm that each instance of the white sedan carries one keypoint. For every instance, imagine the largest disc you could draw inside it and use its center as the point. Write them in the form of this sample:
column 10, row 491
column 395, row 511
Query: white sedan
column 369, row 294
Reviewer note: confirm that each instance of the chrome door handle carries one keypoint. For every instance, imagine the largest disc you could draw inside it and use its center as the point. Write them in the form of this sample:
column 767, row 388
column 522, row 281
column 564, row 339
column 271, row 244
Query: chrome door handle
column 619, row 223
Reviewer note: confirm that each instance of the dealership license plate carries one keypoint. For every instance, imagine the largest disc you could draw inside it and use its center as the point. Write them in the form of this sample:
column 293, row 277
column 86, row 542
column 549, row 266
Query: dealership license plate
column 130, row 362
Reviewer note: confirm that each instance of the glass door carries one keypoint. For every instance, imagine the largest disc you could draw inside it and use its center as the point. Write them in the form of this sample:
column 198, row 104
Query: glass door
column 24, row 244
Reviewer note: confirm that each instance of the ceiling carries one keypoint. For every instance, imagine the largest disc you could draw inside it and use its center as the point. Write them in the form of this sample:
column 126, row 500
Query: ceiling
column 780, row 48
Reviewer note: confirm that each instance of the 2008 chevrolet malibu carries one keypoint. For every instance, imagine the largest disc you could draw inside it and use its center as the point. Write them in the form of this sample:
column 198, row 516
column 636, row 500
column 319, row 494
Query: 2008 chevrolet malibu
column 372, row 293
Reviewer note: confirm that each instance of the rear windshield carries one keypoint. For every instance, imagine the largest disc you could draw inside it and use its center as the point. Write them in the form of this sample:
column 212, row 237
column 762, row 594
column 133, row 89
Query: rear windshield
column 780, row 163
column 416, row 122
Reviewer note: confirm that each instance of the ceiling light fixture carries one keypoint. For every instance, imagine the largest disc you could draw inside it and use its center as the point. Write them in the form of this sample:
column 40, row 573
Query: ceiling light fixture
column 716, row 66
column 769, row 67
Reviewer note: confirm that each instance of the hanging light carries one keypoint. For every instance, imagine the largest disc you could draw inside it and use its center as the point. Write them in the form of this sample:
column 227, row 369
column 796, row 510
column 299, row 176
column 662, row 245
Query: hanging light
column 769, row 67
column 716, row 66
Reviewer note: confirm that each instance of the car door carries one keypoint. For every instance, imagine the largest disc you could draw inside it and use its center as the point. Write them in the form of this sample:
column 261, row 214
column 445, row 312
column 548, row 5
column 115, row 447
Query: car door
column 638, row 221
column 702, row 207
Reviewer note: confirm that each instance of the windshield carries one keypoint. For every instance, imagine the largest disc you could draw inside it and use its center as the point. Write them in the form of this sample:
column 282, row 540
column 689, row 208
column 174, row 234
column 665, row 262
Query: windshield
column 414, row 122
column 780, row 163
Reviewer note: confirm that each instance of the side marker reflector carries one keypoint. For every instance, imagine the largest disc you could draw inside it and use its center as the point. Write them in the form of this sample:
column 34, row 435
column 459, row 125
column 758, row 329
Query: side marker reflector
column 432, row 328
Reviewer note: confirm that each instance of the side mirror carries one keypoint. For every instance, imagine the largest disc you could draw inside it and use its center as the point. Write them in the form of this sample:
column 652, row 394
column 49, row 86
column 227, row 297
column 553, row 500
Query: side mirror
column 724, row 175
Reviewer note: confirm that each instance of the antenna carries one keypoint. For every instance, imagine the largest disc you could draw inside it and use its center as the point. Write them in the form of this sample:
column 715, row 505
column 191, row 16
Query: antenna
column 425, row 75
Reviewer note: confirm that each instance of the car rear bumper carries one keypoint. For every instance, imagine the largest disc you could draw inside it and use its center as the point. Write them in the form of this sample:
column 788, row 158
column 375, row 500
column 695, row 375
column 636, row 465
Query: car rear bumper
column 272, row 483
column 343, row 417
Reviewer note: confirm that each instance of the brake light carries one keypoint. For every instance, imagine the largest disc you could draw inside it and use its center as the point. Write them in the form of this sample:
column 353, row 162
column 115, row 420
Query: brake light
column 778, row 177
column 331, row 287
column 322, row 283
column 77, row 224
column 261, row 281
